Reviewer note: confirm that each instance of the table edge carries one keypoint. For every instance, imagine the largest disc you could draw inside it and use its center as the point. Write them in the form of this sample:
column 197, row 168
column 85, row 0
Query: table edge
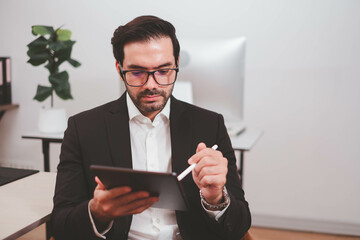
column 28, row 228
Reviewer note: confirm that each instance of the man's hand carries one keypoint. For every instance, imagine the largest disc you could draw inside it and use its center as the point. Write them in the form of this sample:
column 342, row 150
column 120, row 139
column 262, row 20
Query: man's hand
column 209, row 173
column 117, row 202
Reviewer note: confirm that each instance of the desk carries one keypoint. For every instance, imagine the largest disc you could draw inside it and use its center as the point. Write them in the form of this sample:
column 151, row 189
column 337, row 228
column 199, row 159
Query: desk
column 46, row 139
column 6, row 107
column 244, row 142
column 26, row 204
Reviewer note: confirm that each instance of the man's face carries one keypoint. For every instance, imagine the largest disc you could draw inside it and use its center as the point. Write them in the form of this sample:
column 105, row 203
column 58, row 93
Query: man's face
column 150, row 55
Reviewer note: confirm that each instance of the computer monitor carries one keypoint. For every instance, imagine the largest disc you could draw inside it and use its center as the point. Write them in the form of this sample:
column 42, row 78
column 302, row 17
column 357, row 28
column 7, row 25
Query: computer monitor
column 215, row 68
column 212, row 76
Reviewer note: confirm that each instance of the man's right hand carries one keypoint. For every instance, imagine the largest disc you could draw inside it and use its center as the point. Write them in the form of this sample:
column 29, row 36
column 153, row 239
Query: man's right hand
column 117, row 202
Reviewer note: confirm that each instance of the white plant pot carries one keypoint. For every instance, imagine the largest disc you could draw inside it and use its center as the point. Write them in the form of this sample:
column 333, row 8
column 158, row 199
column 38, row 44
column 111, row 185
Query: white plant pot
column 52, row 120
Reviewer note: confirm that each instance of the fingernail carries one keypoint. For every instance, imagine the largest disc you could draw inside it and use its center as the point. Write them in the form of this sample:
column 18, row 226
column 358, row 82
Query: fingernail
column 190, row 161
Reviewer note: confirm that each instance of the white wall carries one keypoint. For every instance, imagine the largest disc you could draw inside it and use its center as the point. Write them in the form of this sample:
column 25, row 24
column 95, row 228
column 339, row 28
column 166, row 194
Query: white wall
column 302, row 87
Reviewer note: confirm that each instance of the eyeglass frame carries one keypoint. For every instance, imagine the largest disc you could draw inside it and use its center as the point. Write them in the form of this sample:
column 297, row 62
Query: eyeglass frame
column 123, row 73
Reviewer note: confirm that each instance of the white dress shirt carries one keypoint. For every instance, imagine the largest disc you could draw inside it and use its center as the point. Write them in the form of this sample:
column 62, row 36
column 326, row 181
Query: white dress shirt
column 151, row 151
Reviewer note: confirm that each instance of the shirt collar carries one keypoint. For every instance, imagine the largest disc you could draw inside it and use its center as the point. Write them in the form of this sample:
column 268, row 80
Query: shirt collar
column 135, row 113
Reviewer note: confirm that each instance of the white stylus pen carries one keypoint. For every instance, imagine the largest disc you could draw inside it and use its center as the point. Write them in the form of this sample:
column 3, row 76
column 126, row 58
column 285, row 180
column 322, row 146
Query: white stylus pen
column 191, row 167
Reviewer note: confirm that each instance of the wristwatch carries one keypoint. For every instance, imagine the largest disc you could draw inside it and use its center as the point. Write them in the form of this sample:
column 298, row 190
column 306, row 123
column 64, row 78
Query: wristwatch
column 224, row 203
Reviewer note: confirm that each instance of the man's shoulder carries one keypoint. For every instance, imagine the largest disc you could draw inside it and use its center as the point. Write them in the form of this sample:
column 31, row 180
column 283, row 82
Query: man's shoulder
column 99, row 111
column 193, row 109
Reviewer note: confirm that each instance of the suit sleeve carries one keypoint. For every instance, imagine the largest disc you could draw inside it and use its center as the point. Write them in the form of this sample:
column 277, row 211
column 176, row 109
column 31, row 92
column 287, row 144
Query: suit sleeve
column 70, row 219
column 236, row 220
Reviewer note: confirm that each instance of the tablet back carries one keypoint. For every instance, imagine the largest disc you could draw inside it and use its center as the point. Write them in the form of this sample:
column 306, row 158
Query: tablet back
column 164, row 185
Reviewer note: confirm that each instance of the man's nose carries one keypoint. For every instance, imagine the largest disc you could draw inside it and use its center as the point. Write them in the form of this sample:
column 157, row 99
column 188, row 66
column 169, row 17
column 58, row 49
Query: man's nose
column 151, row 83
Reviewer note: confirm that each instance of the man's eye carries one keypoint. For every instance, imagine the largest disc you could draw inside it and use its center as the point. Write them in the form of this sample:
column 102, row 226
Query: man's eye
column 163, row 71
column 137, row 73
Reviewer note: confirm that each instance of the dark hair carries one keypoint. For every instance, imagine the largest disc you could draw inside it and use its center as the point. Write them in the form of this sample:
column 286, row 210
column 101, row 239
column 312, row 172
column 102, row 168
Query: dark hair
column 140, row 29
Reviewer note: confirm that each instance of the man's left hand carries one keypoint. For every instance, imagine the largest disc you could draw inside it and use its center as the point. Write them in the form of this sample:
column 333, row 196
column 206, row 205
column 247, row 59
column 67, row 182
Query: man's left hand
column 209, row 173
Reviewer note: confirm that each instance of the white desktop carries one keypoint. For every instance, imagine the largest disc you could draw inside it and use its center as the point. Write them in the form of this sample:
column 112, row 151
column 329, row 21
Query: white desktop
column 211, row 76
column 213, row 70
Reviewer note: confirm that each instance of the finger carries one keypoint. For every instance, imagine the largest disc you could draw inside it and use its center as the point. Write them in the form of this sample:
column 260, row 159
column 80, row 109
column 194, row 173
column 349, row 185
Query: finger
column 212, row 181
column 207, row 161
column 110, row 204
column 100, row 184
column 117, row 192
column 200, row 147
column 203, row 153
column 140, row 204
column 133, row 196
column 212, row 170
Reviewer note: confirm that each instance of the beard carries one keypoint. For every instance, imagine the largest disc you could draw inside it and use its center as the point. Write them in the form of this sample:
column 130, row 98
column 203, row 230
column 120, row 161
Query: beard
column 149, row 107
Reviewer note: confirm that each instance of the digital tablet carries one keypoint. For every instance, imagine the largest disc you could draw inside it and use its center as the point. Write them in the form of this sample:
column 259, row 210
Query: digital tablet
column 163, row 185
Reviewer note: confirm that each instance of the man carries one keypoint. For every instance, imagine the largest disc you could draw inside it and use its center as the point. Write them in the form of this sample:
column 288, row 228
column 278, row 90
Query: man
column 148, row 129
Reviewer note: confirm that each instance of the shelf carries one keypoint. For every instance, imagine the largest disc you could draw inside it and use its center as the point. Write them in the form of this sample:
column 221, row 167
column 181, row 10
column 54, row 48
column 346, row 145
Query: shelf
column 7, row 107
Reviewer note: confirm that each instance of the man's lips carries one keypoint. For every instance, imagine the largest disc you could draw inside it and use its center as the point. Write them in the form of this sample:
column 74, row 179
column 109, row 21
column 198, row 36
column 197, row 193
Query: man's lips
column 150, row 97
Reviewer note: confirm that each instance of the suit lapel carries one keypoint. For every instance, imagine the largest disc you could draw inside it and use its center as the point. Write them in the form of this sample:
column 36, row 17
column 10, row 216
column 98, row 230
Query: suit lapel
column 117, row 124
column 181, row 135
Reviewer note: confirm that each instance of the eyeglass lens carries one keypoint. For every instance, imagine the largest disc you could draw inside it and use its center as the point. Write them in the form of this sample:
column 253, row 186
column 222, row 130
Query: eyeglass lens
column 162, row 77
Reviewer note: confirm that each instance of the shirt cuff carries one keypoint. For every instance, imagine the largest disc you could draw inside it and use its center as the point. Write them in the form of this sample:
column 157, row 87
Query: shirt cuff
column 102, row 234
column 217, row 213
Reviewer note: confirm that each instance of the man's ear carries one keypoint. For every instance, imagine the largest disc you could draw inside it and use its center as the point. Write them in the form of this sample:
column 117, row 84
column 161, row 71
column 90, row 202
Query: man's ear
column 178, row 61
column 117, row 65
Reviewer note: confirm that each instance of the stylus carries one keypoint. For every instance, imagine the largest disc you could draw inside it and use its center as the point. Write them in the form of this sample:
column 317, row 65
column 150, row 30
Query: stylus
column 191, row 167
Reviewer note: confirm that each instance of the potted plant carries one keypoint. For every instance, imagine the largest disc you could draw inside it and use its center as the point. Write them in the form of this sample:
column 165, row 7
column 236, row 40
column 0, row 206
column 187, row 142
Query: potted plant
column 52, row 48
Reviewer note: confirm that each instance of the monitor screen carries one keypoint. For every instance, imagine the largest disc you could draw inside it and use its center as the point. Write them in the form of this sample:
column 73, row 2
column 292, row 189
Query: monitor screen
column 215, row 69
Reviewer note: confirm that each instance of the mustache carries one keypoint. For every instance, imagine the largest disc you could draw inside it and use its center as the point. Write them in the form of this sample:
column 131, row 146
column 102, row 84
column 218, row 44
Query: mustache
column 148, row 92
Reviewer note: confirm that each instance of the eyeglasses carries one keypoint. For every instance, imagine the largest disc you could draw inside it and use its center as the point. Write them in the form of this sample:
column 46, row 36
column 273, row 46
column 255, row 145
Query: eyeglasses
column 138, row 78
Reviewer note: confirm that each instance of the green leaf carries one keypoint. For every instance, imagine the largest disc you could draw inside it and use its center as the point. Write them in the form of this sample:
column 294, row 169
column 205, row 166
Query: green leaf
column 42, row 30
column 57, row 78
column 39, row 58
column 57, row 46
column 63, row 34
column 42, row 93
column 32, row 52
column 39, row 43
column 64, row 54
column 74, row 63
column 61, row 85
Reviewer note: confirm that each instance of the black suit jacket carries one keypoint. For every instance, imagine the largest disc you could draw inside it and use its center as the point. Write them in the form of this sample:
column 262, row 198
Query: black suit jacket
column 101, row 136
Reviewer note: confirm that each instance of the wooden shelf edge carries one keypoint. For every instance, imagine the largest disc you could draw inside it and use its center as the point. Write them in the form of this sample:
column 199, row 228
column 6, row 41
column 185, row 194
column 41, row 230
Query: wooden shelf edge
column 6, row 107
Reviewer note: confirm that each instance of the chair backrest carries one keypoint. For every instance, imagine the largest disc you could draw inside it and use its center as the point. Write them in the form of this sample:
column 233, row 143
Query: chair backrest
column 247, row 236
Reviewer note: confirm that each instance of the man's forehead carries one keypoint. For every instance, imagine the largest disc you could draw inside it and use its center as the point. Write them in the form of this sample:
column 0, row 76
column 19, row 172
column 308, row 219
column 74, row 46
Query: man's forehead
column 154, row 52
column 163, row 40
